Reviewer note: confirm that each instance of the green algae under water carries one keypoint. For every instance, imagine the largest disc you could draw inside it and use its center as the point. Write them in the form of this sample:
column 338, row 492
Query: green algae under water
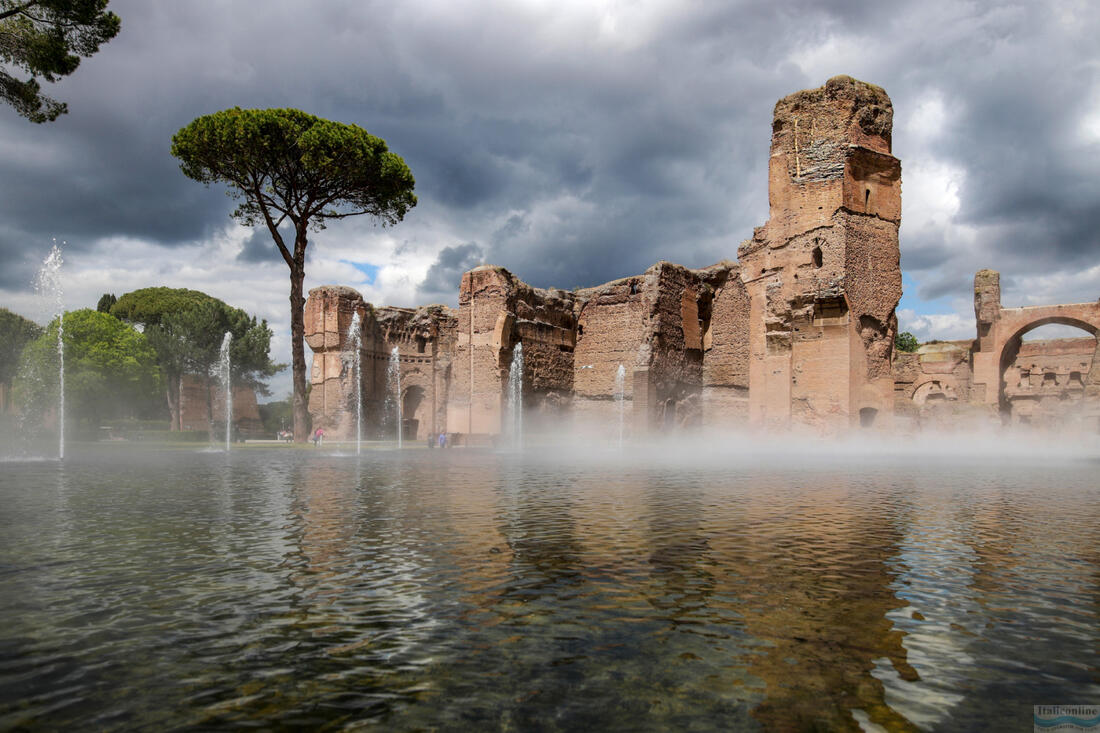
column 459, row 589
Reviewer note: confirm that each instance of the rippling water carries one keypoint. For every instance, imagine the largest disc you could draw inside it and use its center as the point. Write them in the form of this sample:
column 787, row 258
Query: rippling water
column 457, row 589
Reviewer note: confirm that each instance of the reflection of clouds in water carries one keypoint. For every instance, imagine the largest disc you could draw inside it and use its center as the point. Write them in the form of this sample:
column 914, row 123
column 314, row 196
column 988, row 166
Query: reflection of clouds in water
column 999, row 605
column 361, row 575
column 291, row 586
column 936, row 572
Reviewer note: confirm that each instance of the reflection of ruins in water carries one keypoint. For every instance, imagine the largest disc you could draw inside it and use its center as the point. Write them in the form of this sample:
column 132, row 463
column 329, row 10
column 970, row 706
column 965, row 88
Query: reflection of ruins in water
column 815, row 594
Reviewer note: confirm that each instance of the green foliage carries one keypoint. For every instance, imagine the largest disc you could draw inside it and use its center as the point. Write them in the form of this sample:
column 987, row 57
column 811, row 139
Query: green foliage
column 284, row 163
column 106, row 302
column 46, row 39
column 186, row 327
column 906, row 341
column 277, row 416
column 110, row 369
column 192, row 339
column 149, row 305
column 15, row 333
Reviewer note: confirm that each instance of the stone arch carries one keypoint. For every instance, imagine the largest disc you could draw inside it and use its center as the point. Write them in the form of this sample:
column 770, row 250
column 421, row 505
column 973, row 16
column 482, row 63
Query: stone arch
column 1009, row 348
column 931, row 390
column 417, row 401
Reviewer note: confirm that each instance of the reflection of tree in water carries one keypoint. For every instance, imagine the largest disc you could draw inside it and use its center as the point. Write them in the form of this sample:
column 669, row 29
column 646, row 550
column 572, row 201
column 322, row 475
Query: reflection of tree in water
column 818, row 591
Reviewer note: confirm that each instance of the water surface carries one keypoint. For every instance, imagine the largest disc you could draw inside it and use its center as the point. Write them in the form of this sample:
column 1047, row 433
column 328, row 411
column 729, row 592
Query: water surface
column 461, row 589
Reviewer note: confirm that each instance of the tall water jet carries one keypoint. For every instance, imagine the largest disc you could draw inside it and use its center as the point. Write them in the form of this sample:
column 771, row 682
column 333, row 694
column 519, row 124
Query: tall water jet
column 48, row 283
column 515, row 396
column 620, row 398
column 227, row 386
column 355, row 341
column 393, row 391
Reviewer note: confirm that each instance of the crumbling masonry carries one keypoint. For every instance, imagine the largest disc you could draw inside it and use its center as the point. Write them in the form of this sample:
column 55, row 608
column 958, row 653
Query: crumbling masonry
column 800, row 331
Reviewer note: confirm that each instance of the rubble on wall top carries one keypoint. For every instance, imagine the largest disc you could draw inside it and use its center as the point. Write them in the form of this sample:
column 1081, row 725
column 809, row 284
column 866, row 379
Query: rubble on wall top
column 340, row 291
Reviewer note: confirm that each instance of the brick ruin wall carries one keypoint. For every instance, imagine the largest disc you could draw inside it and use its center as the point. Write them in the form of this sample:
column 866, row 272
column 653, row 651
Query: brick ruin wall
column 424, row 339
column 202, row 402
column 799, row 331
column 1047, row 381
column 823, row 275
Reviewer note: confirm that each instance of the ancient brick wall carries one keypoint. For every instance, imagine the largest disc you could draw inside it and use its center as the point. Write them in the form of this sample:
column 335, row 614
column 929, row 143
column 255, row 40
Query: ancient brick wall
column 932, row 385
column 725, row 318
column 1046, row 383
column 196, row 413
column 823, row 275
column 423, row 338
column 801, row 329
column 496, row 312
column 328, row 314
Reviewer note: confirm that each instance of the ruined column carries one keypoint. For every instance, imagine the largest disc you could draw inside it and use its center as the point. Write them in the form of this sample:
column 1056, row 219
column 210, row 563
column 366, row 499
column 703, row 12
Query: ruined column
column 328, row 314
column 823, row 275
column 987, row 312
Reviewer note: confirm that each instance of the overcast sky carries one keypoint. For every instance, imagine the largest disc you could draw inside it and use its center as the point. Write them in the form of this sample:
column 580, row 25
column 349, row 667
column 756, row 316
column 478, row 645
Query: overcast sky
column 571, row 141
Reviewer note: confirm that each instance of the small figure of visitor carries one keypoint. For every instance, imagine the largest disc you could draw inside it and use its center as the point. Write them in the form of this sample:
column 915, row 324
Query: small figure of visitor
column 442, row 440
column 431, row 440
column 318, row 437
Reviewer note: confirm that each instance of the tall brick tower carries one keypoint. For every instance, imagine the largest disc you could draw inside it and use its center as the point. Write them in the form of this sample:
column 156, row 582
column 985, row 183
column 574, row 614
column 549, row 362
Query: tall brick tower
column 823, row 275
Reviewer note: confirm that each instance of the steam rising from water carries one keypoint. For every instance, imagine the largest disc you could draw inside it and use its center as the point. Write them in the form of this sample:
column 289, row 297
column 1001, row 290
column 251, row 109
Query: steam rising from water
column 794, row 448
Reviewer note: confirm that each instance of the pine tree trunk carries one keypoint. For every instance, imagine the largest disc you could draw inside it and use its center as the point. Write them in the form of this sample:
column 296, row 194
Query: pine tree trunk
column 297, row 351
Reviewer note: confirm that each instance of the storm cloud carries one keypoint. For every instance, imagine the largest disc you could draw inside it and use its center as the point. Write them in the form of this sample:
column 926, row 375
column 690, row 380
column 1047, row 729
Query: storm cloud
column 573, row 143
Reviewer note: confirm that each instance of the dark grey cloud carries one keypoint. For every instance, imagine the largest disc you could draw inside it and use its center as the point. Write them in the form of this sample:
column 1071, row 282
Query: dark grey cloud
column 570, row 153
column 441, row 282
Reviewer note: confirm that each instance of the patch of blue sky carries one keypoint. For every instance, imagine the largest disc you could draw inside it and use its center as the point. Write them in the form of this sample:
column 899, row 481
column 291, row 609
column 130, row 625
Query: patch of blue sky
column 370, row 272
column 910, row 300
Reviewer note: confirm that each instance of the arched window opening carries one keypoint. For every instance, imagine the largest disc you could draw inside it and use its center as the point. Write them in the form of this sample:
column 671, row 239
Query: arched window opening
column 817, row 257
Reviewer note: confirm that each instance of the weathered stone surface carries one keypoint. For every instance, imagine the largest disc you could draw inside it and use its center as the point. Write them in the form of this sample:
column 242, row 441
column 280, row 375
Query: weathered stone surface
column 801, row 330
column 823, row 275
column 424, row 339
column 202, row 402
column 1000, row 333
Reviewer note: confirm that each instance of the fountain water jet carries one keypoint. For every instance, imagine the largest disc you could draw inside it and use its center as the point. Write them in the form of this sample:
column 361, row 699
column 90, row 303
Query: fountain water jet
column 355, row 340
column 227, row 386
column 620, row 386
column 393, row 390
column 48, row 283
column 515, row 396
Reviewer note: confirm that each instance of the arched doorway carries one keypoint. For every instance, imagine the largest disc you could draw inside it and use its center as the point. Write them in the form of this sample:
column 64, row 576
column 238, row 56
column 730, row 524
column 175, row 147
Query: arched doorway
column 411, row 402
column 1045, row 368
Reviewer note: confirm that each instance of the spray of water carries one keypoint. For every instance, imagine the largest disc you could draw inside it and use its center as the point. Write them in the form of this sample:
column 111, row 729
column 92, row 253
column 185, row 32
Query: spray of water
column 354, row 342
column 227, row 386
column 620, row 398
column 393, row 390
column 48, row 284
column 515, row 397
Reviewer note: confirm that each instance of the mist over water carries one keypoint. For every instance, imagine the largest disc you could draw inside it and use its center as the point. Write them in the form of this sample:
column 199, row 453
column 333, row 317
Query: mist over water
column 770, row 582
